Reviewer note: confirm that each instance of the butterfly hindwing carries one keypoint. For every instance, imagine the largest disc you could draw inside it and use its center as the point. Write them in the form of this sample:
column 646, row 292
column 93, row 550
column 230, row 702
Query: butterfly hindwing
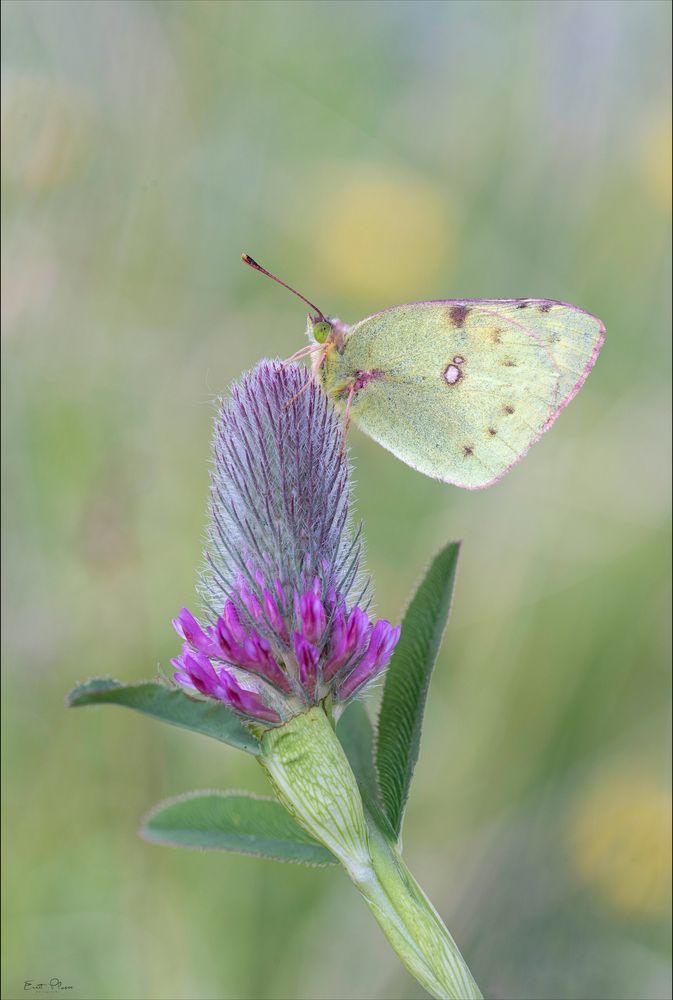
column 461, row 389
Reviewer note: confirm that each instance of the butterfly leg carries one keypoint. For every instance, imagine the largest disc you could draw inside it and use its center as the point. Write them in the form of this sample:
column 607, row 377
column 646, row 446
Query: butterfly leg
column 302, row 352
column 318, row 359
column 347, row 413
column 315, row 367
column 297, row 395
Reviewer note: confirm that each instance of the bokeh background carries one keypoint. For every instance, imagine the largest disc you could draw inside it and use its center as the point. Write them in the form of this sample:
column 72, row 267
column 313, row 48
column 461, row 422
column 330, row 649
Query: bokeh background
column 372, row 153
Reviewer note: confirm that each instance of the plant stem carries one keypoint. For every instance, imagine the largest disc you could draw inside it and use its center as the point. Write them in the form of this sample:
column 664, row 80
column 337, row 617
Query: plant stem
column 401, row 908
column 313, row 779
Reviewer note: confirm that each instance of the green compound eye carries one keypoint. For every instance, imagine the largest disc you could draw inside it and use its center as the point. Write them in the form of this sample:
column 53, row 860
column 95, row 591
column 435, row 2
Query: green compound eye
column 321, row 331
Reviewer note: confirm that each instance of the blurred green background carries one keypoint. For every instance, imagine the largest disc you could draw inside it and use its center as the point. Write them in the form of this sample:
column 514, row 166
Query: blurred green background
column 371, row 153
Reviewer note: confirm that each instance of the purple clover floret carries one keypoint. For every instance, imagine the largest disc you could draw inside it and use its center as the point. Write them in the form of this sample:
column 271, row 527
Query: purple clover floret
column 286, row 622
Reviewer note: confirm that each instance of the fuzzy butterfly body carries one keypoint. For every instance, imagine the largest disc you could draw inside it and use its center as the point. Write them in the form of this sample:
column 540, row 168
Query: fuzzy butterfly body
column 459, row 389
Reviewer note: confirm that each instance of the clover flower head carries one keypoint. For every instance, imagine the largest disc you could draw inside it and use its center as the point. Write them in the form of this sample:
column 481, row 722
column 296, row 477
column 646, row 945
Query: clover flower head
column 287, row 621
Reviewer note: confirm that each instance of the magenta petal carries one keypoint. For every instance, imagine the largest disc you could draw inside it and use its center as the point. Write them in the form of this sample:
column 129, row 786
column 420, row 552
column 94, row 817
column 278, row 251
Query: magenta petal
column 245, row 701
column 307, row 659
column 383, row 640
column 274, row 616
column 184, row 679
column 233, row 622
column 312, row 616
column 253, row 653
column 250, row 601
column 358, row 630
column 338, row 646
column 189, row 629
column 200, row 671
column 226, row 645
column 250, row 704
column 196, row 672
column 259, row 658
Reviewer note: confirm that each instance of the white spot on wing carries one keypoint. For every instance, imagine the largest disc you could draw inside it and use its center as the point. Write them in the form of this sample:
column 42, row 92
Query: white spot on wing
column 452, row 374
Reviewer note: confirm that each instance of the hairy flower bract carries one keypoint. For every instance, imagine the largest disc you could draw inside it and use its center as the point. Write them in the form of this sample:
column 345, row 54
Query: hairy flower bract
column 286, row 622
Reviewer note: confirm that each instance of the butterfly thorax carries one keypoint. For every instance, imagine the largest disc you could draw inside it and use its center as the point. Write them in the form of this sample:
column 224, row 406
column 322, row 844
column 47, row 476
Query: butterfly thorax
column 334, row 376
column 328, row 336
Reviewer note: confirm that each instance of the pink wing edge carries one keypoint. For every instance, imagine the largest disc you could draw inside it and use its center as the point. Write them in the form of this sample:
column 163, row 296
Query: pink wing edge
column 559, row 409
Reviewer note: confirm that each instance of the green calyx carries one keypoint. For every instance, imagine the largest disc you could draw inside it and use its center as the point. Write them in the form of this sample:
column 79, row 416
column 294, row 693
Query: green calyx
column 311, row 776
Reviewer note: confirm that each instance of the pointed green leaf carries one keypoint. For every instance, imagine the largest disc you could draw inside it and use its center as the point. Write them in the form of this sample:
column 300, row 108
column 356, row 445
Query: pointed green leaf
column 407, row 680
column 169, row 705
column 356, row 735
column 233, row 821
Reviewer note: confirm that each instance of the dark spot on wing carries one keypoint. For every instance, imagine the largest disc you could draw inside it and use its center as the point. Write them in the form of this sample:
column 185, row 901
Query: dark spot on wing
column 467, row 450
column 508, row 363
column 459, row 314
column 544, row 307
column 523, row 304
column 509, row 409
column 497, row 339
column 492, row 431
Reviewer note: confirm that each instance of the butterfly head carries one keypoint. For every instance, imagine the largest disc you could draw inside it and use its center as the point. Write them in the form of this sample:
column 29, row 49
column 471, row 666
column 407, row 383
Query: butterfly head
column 326, row 330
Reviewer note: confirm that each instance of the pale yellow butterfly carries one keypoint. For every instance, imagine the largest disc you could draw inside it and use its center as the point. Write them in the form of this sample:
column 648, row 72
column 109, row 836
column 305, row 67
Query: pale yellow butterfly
column 459, row 389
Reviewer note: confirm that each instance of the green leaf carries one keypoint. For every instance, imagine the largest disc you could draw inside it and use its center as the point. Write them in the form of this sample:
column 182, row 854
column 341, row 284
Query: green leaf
column 169, row 705
column 407, row 681
column 233, row 821
column 356, row 735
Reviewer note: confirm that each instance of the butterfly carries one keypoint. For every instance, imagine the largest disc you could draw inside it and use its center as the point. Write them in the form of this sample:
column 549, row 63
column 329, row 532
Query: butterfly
column 459, row 389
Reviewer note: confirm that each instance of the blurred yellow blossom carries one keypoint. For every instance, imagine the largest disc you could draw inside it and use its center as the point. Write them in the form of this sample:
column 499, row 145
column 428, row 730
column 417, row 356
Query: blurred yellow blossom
column 385, row 234
column 620, row 836
column 656, row 162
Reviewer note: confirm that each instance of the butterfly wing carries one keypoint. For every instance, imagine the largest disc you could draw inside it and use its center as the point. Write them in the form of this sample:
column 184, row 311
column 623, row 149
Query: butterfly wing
column 461, row 389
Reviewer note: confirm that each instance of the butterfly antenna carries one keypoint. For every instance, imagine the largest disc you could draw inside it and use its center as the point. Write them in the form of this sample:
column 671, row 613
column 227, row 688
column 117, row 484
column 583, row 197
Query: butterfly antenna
column 247, row 259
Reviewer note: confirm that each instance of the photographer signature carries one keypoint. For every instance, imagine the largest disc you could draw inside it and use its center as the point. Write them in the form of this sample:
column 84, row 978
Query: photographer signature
column 53, row 986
